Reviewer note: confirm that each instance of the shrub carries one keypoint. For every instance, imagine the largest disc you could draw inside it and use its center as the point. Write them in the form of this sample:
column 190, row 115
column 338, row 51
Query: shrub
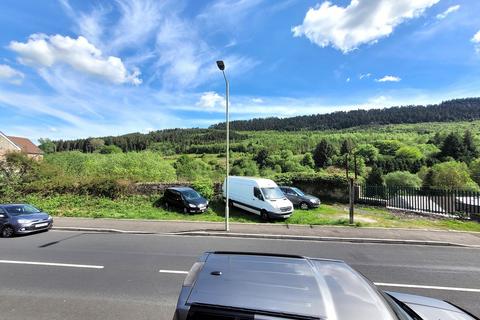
column 205, row 187
column 403, row 179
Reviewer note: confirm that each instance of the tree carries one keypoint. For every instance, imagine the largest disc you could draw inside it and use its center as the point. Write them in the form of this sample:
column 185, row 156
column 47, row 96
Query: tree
column 375, row 177
column 388, row 147
column 95, row 144
column 261, row 158
column 47, row 145
column 475, row 170
column 368, row 152
column 402, row 179
column 307, row 160
column 453, row 175
column 110, row 149
column 323, row 154
column 347, row 146
column 428, row 181
column 452, row 147
column 469, row 147
column 409, row 153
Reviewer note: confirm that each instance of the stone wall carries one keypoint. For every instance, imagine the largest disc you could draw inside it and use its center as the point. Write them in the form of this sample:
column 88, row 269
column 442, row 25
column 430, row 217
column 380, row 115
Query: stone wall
column 5, row 147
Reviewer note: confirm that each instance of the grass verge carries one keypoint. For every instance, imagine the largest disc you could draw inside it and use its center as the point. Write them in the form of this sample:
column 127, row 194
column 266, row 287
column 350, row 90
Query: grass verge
column 140, row 207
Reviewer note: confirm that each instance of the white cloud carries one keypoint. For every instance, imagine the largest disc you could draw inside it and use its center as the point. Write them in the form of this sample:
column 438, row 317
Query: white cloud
column 445, row 13
column 46, row 51
column 257, row 100
column 348, row 79
column 364, row 76
column 389, row 79
column 367, row 21
column 476, row 41
column 11, row 75
column 210, row 100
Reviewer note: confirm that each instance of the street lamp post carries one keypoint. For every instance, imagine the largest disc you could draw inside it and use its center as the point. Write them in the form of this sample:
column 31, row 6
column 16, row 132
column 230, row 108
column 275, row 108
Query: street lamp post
column 221, row 66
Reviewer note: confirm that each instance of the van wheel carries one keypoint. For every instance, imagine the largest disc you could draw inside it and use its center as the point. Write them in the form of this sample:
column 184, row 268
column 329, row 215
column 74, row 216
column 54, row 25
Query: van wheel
column 304, row 206
column 264, row 215
column 7, row 232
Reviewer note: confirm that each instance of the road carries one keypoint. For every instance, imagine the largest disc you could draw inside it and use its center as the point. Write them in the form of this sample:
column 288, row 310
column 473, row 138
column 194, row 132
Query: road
column 74, row 275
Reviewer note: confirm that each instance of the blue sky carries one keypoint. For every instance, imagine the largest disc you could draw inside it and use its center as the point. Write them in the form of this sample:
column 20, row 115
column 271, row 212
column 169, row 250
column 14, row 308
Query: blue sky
column 71, row 68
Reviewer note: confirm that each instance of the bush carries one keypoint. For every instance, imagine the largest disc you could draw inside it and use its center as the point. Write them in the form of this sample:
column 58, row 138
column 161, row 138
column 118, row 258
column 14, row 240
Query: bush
column 205, row 187
column 402, row 179
column 452, row 175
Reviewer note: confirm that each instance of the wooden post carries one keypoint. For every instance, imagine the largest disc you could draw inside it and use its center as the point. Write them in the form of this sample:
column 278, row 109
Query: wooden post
column 352, row 199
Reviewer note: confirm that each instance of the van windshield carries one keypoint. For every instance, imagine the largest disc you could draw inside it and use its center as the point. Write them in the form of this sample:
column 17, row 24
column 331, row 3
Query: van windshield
column 272, row 193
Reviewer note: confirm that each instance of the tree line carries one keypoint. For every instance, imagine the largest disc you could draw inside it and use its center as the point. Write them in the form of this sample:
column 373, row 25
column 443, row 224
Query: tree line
column 453, row 110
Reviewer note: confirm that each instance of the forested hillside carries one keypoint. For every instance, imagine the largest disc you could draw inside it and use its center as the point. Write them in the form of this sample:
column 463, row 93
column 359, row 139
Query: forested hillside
column 453, row 110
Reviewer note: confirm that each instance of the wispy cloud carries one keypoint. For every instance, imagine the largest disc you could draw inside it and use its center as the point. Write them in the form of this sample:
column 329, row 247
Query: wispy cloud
column 364, row 76
column 445, row 13
column 10, row 75
column 389, row 79
column 361, row 22
column 476, row 41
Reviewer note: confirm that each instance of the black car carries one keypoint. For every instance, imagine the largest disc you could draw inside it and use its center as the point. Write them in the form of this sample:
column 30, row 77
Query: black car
column 22, row 219
column 299, row 198
column 186, row 199
column 244, row 285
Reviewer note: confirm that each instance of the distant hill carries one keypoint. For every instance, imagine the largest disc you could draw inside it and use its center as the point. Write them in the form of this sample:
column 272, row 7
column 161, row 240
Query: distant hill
column 447, row 111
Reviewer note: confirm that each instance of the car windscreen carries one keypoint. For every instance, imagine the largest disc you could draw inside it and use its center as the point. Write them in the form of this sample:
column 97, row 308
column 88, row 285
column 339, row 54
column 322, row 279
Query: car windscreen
column 298, row 191
column 191, row 195
column 21, row 209
column 272, row 193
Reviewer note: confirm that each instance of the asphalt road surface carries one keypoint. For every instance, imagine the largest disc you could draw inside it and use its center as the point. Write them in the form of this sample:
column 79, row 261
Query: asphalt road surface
column 74, row 275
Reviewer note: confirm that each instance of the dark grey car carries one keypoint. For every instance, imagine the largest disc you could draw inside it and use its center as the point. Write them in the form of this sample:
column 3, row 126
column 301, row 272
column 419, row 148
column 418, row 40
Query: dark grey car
column 299, row 198
column 237, row 285
column 186, row 199
column 22, row 219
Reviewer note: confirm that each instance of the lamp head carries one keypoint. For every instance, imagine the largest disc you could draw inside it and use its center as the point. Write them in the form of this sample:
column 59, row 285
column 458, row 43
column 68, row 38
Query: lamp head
column 221, row 65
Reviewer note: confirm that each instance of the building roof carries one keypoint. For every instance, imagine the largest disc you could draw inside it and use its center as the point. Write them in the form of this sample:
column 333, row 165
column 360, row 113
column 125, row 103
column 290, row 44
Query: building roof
column 25, row 145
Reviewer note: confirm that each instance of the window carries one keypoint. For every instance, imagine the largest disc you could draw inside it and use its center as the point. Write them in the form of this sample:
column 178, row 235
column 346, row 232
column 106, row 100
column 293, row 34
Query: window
column 257, row 193
column 21, row 209
column 273, row 193
column 298, row 192
column 191, row 194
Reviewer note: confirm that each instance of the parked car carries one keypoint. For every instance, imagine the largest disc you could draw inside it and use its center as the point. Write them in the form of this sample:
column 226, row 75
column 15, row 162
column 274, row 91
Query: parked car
column 235, row 285
column 186, row 199
column 299, row 198
column 259, row 196
column 22, row 219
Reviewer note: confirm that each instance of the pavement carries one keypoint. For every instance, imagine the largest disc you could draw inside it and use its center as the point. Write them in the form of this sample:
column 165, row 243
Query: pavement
column 59, row 275
column 274, row 231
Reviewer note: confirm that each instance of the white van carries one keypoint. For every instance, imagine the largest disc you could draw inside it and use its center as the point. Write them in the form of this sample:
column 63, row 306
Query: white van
column 259, row 196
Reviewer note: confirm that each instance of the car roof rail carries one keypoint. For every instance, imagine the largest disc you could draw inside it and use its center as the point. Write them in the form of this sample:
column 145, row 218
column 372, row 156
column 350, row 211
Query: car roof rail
column 247, row 253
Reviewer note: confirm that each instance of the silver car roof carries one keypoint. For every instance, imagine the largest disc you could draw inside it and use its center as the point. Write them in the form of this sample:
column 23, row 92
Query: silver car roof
column 323, row 289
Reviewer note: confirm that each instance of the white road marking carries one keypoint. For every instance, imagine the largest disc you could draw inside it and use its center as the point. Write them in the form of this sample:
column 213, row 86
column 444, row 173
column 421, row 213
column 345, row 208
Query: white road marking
column 173, row 271
column 51, row 264
column 400, row 285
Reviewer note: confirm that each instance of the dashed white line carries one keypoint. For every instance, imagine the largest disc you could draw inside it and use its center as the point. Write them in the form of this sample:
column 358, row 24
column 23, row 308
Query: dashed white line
column 51, row 264
column 173, row 271
column 400, row 285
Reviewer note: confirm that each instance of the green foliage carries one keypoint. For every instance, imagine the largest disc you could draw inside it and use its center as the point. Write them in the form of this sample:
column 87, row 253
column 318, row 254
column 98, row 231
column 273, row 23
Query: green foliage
column 244, row 167
column 475, row 170
column 347, row 146
column 452, row 175
column 110, row 149
column 205, row 187
column 403, row 179
column 469, row 147
column 368, row 152
column 307, row 160
column 375, row 177
column 47, row 145
column 261, row 158
column 323, row 154
column 452, row 147
column 95, row 144
column 388, row 147
column 189, row 169
column 410, row 153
